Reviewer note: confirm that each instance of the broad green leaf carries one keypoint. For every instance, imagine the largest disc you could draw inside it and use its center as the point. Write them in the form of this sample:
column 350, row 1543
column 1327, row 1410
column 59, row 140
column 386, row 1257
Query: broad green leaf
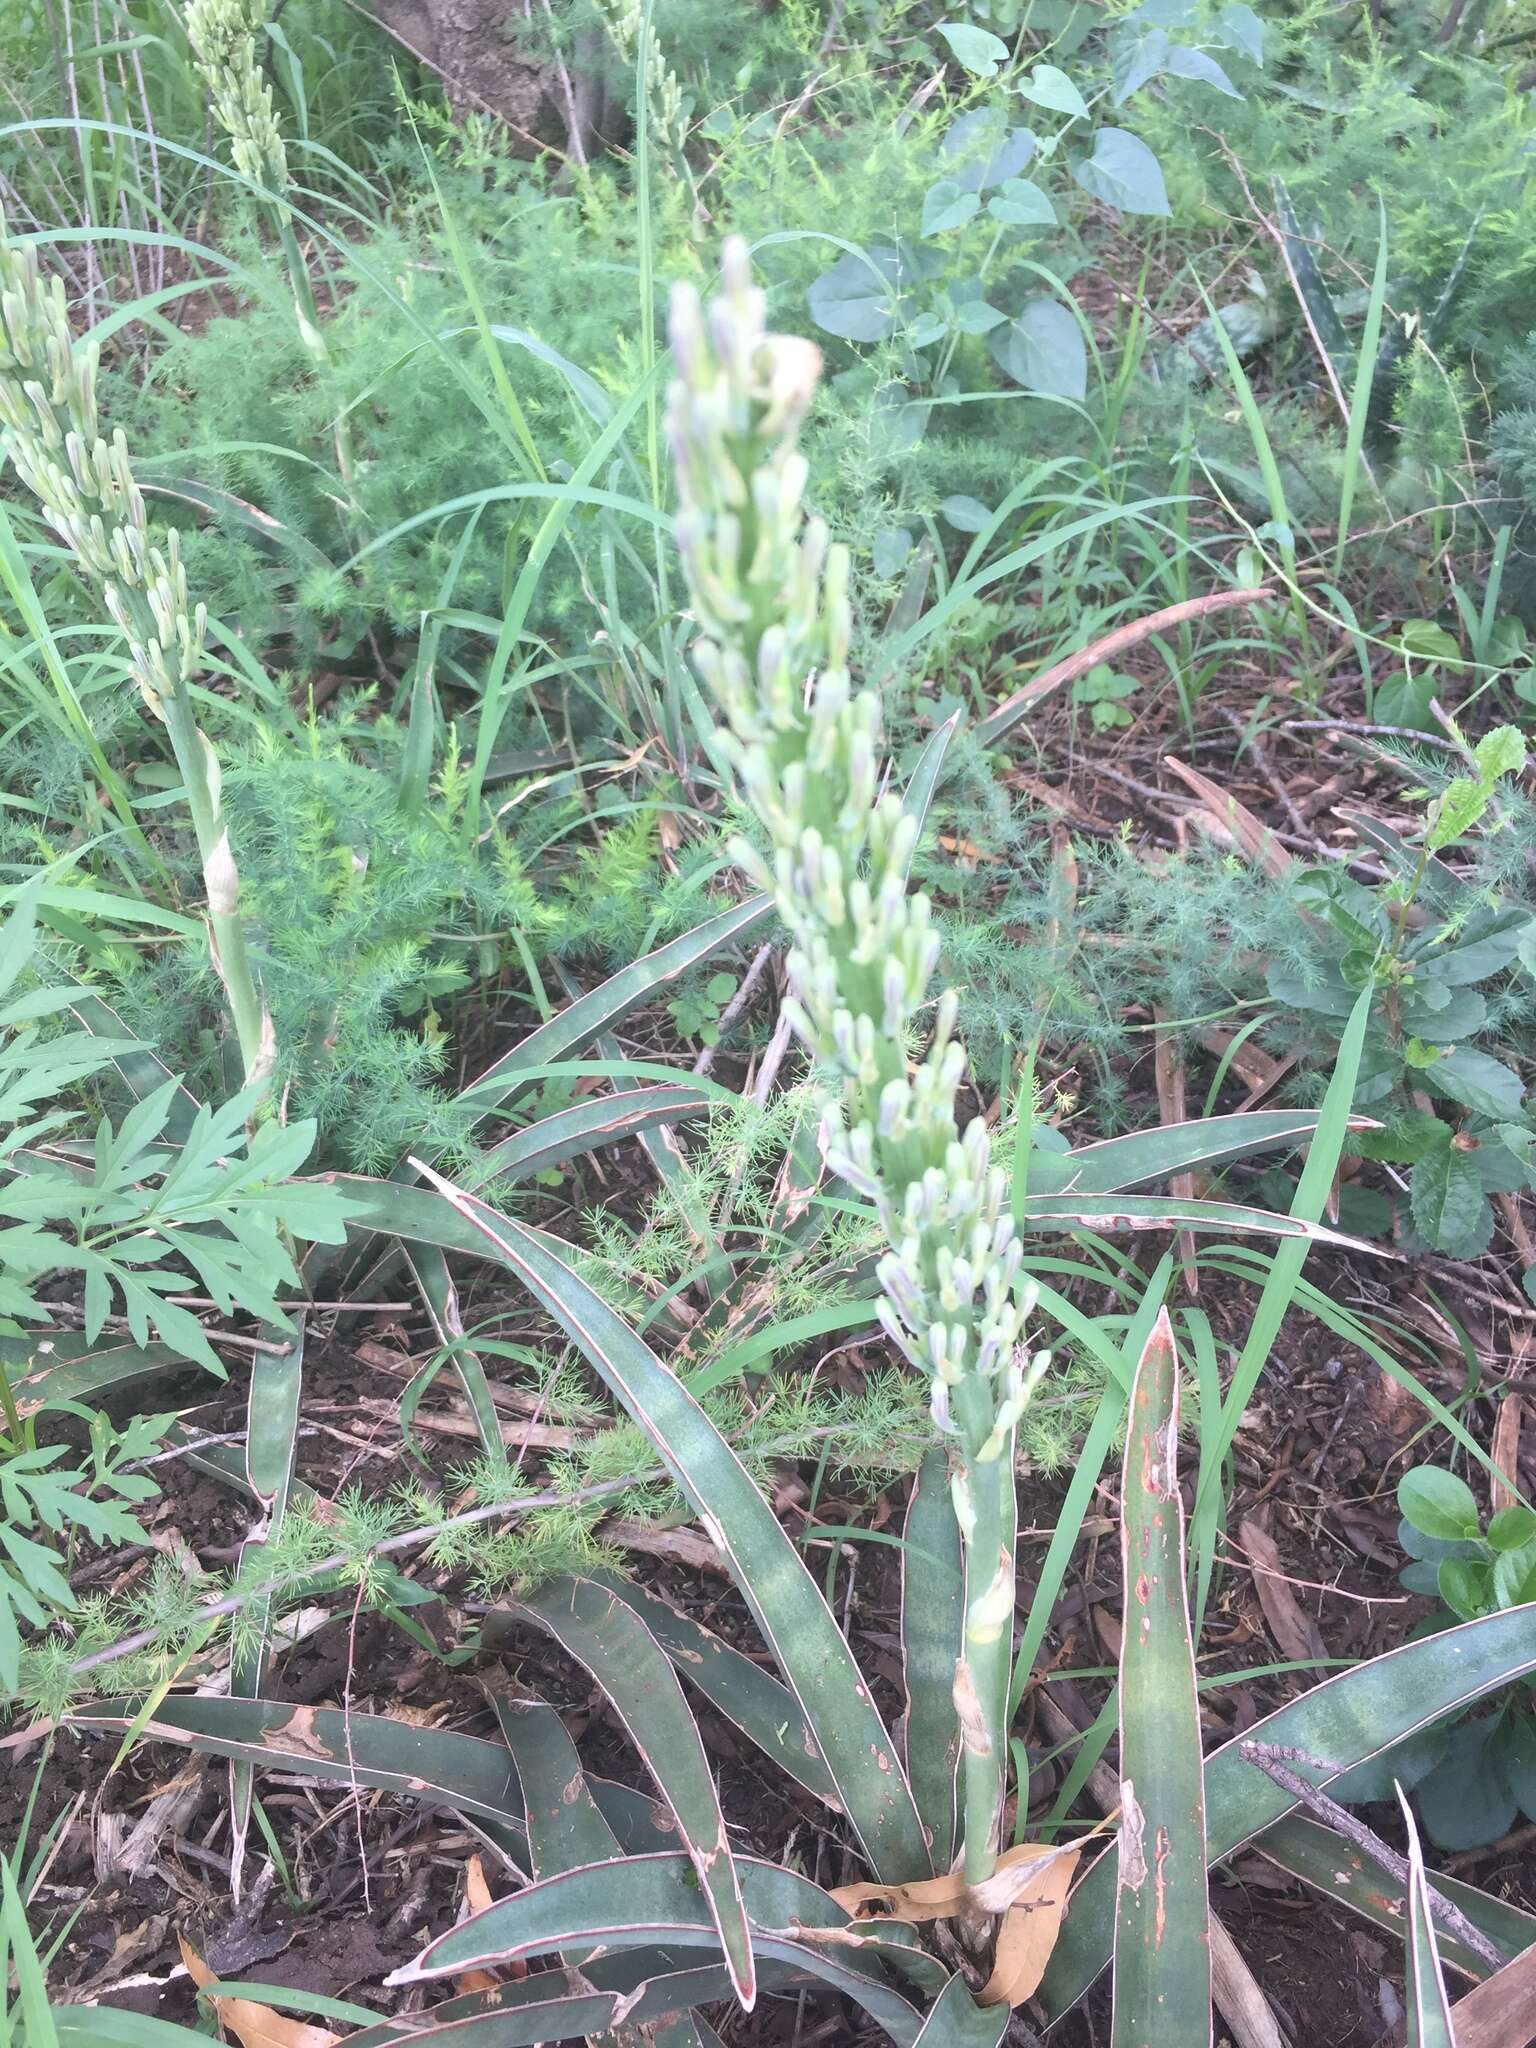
column 855, row 299
column 1449, row 1206
column 1162, row 1955
column 1043, row 349
column 946, row 206
column 810, row 1648
column 1201, row 66
column 932, row 1638
column 1046, row 86
column 1467, row 1801
column 1429, row 2007
column 1344, row 1721
column 1438, row 1503
column 1137, row 59
column 1123, row 172
column 611, row 1640
column 1020, row 202
column 1241, row 29
column 977, row 49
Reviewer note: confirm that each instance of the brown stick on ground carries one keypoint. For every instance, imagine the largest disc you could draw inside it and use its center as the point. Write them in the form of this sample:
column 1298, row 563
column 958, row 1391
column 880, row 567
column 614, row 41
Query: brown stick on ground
column 1275, row 1761
column 1012, row 709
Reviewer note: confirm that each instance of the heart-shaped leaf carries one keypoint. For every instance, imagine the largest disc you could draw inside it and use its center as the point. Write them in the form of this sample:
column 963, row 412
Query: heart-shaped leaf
column 1123, row 172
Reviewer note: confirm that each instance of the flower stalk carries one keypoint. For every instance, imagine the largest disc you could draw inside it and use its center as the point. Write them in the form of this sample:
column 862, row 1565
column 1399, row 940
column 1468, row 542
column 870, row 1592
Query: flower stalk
column 770, row 599
column 51, row 433
column 222, row 34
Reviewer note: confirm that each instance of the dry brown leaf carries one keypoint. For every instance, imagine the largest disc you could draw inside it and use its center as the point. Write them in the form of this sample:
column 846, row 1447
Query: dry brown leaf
column 1028, row 1889
column 1295, row 1634
column 1225, row 818
column 1029, row 1931
column 477, row 1896
column 253, row 2025
column 1505, row 1452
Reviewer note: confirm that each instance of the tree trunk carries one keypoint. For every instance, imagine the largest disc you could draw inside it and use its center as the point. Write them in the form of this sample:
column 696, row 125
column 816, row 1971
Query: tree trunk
column 472, row 45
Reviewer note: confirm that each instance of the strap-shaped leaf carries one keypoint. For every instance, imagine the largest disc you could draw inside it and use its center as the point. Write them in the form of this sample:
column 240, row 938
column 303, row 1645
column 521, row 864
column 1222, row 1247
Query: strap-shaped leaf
column 584, row 1126
column 1159, row 1212
column 917, row 799
column 440, row 1298
column 643, row 1900
column 565, row 1824
column 1429, row 2005
column 1345, row 1720
column 1116, row 1164
column 749, row 1697
column 1321, row 1858
column 64, row 1365
column 955, row 2020
column 932, row 1638
column 590, row 1015
column 1162, row 1911
column 785, row 1601
column 614, row 1644
column 435, row 1765
column 645, row 1984
column 142, row 1070
column 271, row 1447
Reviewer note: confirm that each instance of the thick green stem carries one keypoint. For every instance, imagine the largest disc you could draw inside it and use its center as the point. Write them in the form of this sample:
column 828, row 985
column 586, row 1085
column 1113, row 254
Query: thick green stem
column 200, row 774
column 981, row 1683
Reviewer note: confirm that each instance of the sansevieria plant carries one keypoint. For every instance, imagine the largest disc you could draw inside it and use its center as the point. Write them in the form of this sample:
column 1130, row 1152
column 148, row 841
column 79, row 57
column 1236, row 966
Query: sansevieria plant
column 650, row 1908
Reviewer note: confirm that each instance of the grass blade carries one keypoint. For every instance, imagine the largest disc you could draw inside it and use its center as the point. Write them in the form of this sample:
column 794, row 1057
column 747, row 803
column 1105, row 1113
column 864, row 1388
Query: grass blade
column 1279, row 1288
column 612, row 1642
column 1360, row 397
column 1162, row 1959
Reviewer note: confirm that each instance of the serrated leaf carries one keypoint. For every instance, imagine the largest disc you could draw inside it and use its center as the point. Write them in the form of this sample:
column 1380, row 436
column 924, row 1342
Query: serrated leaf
column 1123, row 172
column 1449, row 1207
